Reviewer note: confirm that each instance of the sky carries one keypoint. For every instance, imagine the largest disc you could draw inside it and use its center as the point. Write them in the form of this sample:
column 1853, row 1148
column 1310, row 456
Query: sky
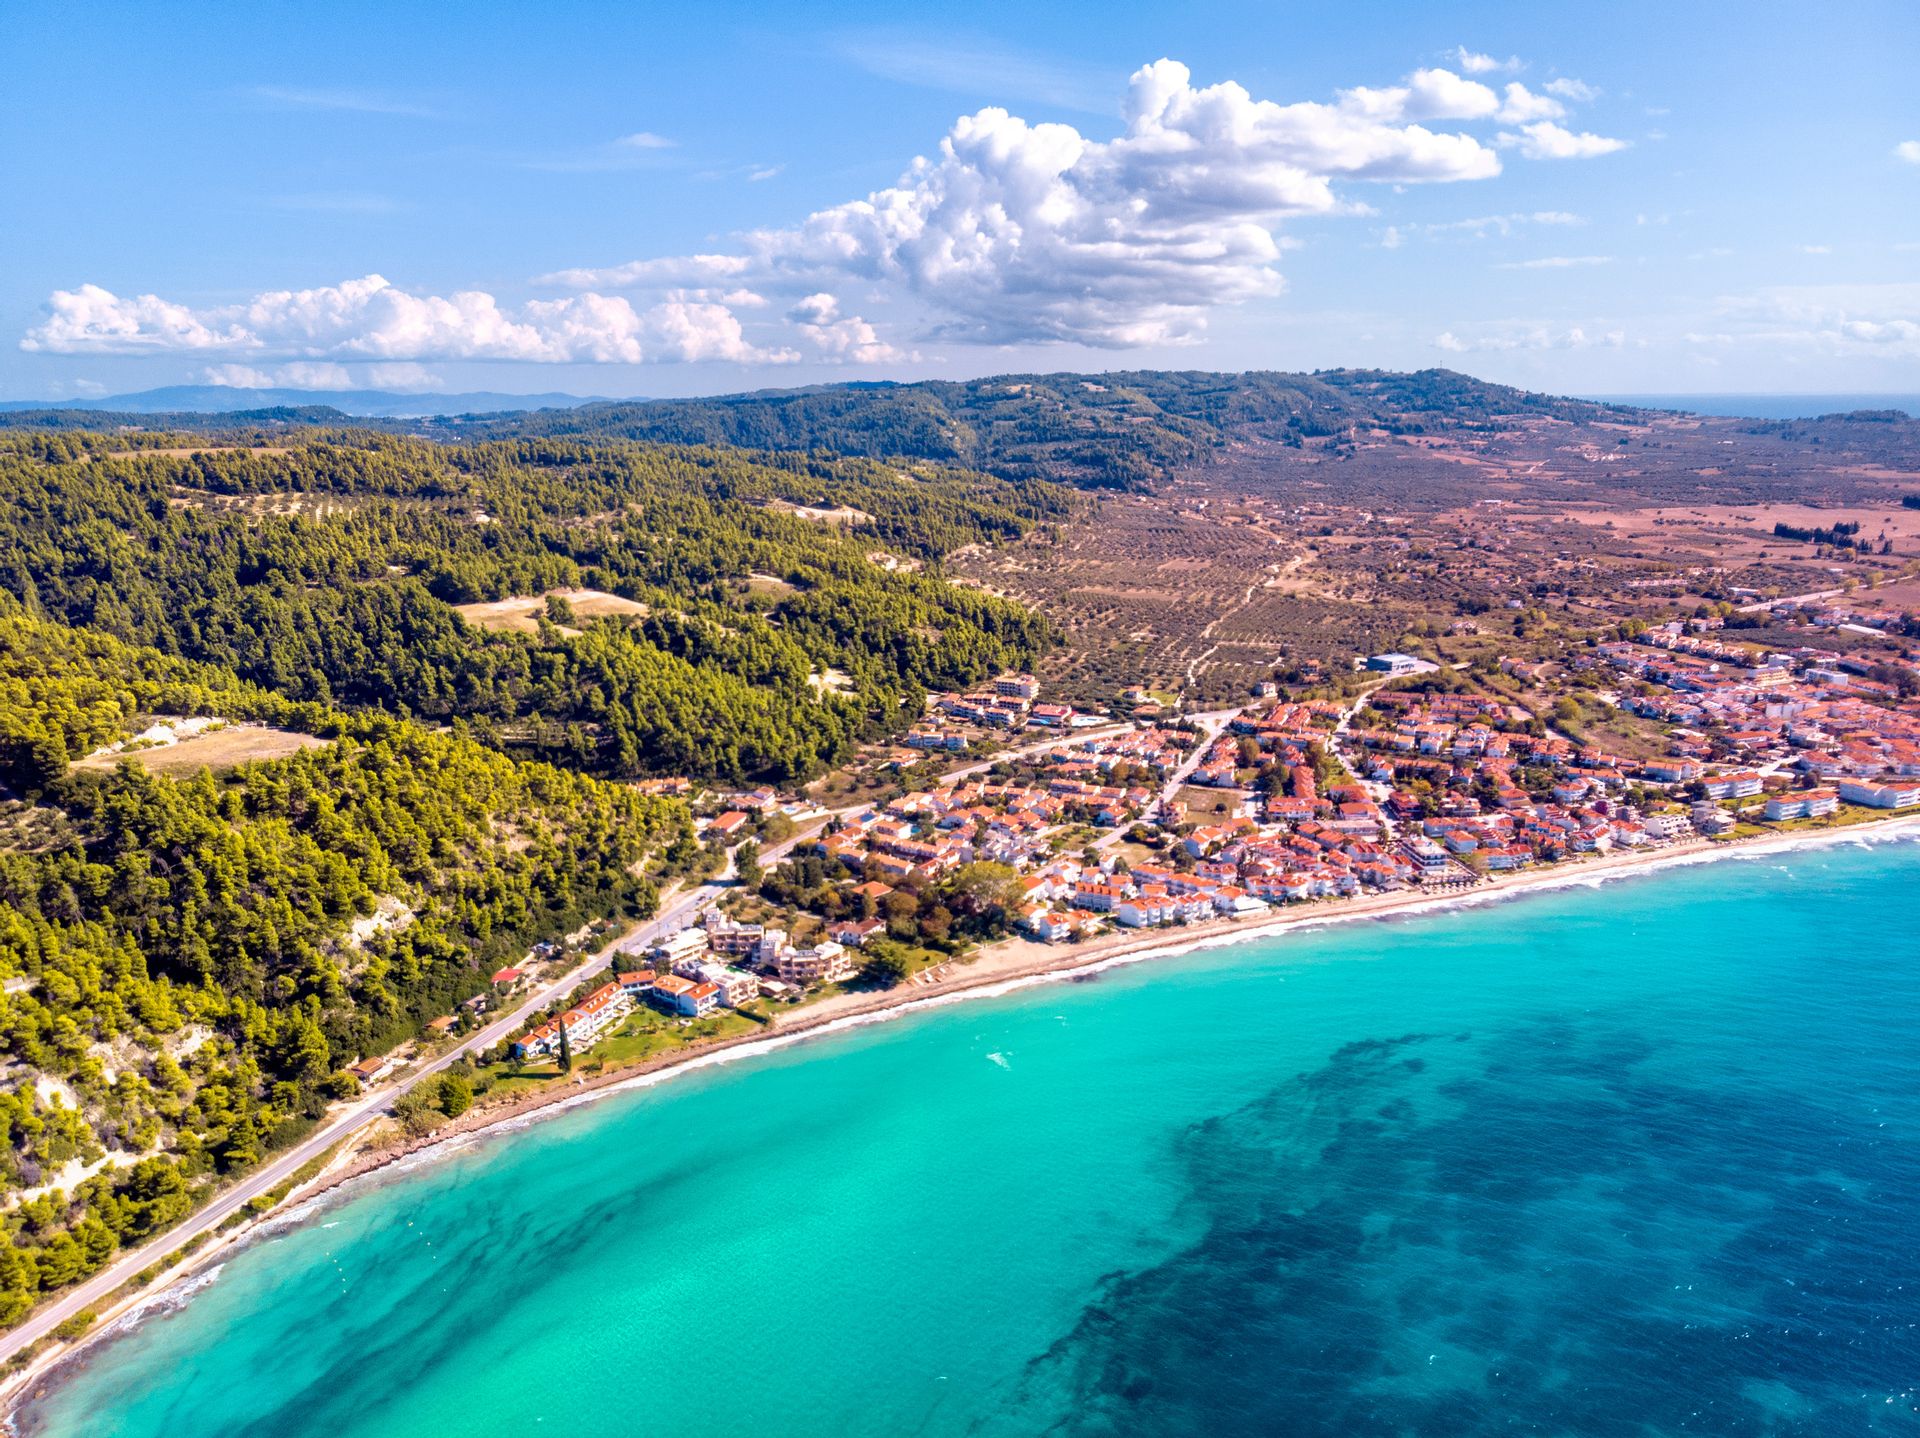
column 641, row 199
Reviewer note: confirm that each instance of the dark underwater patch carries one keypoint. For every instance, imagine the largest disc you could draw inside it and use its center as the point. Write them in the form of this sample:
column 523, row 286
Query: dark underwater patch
column 1546, row 1230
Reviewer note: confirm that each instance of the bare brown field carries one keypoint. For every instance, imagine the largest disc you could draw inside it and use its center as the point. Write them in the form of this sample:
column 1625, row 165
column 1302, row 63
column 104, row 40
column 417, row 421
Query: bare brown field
column 1186, row 590
column 215, row 749
column 522, row 613
column 1272, row 553
column 844, row 516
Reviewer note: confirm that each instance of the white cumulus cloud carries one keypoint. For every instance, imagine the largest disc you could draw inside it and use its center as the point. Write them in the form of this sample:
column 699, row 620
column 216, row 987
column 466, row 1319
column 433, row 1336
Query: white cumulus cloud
column 1557, row 262
column 1548, row 141
column 1020, row 232
column 1568, row 88
column 1883, row 319
column 1476, row 62
column 1908, row 150
column 371, row 319
column 851, row 338
column 1011, row 232
column 1529, row 337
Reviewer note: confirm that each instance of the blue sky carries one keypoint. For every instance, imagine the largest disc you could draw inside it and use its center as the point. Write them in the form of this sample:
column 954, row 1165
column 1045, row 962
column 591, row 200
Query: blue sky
column 635, row 199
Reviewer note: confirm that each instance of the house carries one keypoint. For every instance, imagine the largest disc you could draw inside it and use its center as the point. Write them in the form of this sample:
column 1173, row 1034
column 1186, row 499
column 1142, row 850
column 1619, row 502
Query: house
column 1667, row 826
column 690, row 998
column 728, row 824
column 442, row 1026
column 1429, row 858
column 724, row 936
column 1017, row 686
column 1101, row 898
column 507, row 978
column 371, row 1070
column 669, row 949
column 855, row 932
column 1733, row 786
column 1046, row 924
column 733, row 986
column 948, row 740
column 824, row 963
column 638, row 983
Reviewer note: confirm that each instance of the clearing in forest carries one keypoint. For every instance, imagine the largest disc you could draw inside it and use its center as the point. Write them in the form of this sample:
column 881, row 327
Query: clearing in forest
column 209, row 749
column 522, row 613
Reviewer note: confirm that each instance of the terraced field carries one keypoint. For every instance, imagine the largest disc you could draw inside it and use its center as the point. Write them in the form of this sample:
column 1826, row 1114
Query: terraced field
column 1277, row 553
column 1188, row 590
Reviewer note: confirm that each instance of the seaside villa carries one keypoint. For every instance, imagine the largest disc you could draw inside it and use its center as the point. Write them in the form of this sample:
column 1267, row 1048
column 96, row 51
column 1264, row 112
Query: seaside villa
column 690, row 998
column 585, row 1023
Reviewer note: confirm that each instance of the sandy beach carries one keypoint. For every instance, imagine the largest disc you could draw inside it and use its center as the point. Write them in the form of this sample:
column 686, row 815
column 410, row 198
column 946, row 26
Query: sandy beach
column 999, row 968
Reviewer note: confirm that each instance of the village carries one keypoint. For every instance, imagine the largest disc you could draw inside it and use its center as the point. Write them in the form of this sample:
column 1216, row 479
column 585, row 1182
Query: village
column 1063, row 826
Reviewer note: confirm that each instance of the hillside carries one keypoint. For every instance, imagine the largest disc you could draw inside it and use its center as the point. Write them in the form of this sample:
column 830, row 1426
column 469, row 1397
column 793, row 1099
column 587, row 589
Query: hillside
column 302, row 738
column 371, row 403
column 1115, row 430
column 774, row 616
column 1121, row 430
column 187, row 964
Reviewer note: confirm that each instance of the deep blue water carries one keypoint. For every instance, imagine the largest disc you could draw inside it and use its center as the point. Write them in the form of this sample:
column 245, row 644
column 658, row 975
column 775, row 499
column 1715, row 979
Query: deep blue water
column 1636, row 1160
column 1769, row 406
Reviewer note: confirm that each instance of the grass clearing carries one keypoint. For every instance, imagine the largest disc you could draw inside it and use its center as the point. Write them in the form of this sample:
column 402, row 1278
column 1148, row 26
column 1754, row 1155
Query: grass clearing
column 522, row 614
column 214, row 749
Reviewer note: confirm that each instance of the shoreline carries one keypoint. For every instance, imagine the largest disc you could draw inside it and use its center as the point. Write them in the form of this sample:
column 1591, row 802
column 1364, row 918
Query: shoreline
column 1006, row 966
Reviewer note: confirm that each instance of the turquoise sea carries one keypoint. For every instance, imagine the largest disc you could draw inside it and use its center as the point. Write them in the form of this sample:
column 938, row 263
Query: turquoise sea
column 1638, row 1159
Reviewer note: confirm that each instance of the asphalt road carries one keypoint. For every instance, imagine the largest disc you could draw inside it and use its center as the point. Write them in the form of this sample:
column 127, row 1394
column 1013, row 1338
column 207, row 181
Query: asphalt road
column 370, row 1105
column 364, row 1110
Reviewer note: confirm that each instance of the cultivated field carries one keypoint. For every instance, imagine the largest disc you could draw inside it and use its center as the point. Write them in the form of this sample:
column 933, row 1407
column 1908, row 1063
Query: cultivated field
column 1475, row 541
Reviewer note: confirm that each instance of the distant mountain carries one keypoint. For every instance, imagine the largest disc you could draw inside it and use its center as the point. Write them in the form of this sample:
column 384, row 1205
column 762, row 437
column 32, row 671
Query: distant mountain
column 360, row 403
column 1118, row 430
column 1114, row 430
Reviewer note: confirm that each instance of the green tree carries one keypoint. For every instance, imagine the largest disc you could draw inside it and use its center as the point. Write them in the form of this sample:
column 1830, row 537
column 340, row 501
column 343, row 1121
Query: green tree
column 746, row 864
column 886, row 966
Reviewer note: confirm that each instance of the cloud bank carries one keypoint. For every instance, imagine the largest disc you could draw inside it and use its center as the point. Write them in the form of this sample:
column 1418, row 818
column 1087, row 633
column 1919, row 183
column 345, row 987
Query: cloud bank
column 372, row 319
column 1011, row 232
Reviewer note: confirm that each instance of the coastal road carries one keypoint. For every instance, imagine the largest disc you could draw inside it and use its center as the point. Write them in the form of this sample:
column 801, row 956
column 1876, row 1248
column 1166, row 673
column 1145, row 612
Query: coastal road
column 369, row 1106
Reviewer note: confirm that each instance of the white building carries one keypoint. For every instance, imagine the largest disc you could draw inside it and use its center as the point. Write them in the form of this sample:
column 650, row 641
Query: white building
column 824, row 963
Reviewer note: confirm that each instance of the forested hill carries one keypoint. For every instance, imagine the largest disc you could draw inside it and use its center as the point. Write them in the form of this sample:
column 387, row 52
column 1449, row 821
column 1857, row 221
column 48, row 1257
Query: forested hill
column 1123, row 429
column 187, row 964
column 409, row 672
column 753, row 619
column 1120, row 430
